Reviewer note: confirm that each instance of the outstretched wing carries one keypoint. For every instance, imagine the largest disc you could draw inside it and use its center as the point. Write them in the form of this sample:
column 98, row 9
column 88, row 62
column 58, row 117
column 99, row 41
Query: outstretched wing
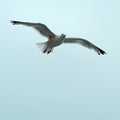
column 85, row 43
column 43, row 29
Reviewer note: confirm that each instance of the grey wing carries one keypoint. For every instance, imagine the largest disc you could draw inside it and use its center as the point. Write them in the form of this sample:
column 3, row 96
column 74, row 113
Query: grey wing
column 85, row 43
column 43, row 29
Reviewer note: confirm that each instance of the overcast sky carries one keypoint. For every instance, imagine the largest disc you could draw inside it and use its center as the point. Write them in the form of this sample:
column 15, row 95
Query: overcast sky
column 73, row 82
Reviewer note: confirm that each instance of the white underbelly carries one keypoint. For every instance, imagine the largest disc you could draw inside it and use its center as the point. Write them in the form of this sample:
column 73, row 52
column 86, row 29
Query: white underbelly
column 56, row 42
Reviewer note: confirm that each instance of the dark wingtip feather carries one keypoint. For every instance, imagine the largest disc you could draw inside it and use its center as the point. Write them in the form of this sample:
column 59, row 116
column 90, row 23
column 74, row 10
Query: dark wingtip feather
column 13, row 22
column 101, row 52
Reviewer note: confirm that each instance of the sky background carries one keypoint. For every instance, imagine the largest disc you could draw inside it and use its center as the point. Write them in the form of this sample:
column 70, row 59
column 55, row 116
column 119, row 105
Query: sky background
column 72, row 83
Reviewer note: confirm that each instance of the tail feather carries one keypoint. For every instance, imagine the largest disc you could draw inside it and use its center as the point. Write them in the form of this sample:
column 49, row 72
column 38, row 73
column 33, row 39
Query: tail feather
column 41, row 46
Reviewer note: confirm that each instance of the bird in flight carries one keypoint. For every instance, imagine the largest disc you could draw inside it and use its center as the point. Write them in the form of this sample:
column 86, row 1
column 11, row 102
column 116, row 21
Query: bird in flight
column 56, row 40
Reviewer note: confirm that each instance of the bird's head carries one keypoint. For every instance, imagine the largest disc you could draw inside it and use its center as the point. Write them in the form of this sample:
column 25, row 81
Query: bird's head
column 63, row 36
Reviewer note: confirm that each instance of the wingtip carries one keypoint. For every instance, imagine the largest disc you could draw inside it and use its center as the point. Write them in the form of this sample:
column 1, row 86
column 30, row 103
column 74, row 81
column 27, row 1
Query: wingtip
column 101, row 52
column 13, row 22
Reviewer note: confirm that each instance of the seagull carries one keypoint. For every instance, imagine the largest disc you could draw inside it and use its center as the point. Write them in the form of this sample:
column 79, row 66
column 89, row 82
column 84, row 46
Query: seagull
column 56, row 40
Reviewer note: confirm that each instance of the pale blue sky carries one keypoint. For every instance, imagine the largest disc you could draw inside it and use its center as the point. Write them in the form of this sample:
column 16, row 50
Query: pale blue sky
column 72, row 83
